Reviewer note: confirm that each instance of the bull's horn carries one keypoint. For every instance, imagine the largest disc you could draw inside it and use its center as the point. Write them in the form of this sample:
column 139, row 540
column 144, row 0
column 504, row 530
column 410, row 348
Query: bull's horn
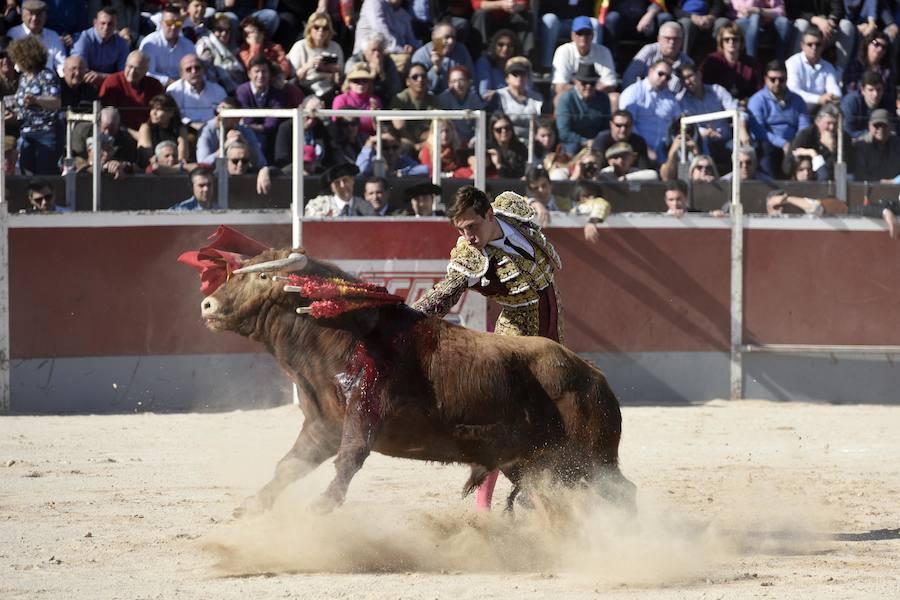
column 294, row 262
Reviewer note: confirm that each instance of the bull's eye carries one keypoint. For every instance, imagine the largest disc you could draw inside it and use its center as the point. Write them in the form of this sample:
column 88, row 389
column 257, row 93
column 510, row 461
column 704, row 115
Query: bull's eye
column 263, row 276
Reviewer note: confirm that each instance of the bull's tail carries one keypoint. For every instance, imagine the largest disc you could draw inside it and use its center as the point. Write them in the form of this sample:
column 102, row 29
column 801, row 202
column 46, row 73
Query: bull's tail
column 478, row 474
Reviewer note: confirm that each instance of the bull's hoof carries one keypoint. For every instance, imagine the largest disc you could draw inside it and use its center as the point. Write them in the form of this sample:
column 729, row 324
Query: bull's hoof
column 324, row 505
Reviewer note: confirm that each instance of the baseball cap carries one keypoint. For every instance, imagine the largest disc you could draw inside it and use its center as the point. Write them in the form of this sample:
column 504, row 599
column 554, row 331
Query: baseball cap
column 581, row 24
column 880, row 115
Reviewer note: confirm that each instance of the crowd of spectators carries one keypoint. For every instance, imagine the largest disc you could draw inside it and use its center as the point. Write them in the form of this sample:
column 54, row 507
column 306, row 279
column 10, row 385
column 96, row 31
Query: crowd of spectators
column 579, row 90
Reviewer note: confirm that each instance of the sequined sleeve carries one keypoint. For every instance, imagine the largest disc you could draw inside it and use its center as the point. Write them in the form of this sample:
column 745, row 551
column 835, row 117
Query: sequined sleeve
column 443, row 296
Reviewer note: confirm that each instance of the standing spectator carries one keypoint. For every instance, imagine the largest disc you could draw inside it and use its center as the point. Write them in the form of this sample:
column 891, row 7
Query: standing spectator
column 652, row 105
column 667, row 47
column 442, row 53
column 763, row 17
column 415, row 97
column 491, row 15
column 621, row 129
column 730, row 67
column 74, row 90
column 459, row 95
column 828, row 17
column 130, row 90
column 34, row 17
column 621, row 161
column 516, row 101
column 387, row 82
column 876, row 155
column 874, row 55
column 214, row 50
column 396, row 162
column 819, row 141
column 490, row 68
column 697, row 18
column 104, row 52
column 810, row 76
column 776, row 115
column 558, row 22
column 341, row 202
column 569, row 56
column 203, row 192
column 259, row 93
column 166, row 47
column 857, row 106
column 508, row 156
column 317, row 59
column 208, row 143
column 358, row 94
column 582, row 111
column 256, row 43
column 37, row 100
column 164, row 124
column 195, row 96
column 630, row 19
column 390, row 19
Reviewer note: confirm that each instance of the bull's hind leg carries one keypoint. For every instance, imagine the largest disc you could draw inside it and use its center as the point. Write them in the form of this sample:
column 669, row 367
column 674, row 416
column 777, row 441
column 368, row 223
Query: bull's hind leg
column 357, row 441
column 318, row 441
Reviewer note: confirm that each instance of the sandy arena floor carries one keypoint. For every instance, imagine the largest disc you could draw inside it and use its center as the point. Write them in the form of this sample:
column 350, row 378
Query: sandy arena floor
column 736, row 500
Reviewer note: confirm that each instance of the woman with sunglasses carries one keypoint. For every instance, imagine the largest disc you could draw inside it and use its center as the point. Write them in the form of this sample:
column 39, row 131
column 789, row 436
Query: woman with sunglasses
column 729, row 67
column 215, row 50
column 358, row 94
column 317, row 58
column 703, row 169
column 490, row 68
column 874, row 55
column 508, row 157
column 164, row 124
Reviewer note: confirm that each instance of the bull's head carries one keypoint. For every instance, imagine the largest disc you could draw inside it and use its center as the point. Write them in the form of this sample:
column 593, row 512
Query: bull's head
column 236, row 305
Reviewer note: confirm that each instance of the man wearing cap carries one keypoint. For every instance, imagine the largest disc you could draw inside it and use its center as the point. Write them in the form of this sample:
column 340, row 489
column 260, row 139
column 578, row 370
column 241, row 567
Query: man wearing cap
column 166, row 46
column 582, row 49
column 130, row 91
column 581, row 112
column 858, row 105
column 875, row 156
column 34, row 17
column 559, row 19
column 421, row 201
column 341, row 202
column 103, row 50
column 516, row 100
column 668, row 47
column 621, row 159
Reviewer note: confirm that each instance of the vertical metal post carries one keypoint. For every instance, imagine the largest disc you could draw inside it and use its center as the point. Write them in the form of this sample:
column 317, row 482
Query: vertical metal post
column 682, row 160
column 222, row 168
column 297, row 187
column 436, row 149
column 737, row 265
column 840, row 167
column 480, row 149
column 378, row 166
column 531, row 119
column 4, row 285
column 98, row 156
column 69, row 166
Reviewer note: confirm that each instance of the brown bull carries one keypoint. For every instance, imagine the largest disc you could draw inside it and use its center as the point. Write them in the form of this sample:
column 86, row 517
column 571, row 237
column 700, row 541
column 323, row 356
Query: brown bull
column 393, row 380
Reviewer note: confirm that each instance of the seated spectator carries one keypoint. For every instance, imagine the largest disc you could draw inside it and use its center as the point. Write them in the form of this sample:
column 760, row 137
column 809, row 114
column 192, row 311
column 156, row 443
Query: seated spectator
column 40, row 198
column 698, row 98
column 67, row 19
column 203, row 192
column 238, row 161
column 195, row 96
column 858, row 105
column 358, row 94
column 666, row 48
column 124, row 145
column 208, row 142
column 222, row 66
column 765, row 18
column 652, row 105
column 104, row 52
column 315, row 139
column 748, row 166
column 240, row 9
column 387, row 82
column 585, row 165
column 874, row 55
column 676, row 198
column 810, row 76
column 541, row 198
column 164, row 124
column 515, row 15
column 317, row 59
column 34, row 17
column 375, row 193
column 803, row 170
column 37, row 100
column 868, row 17
column 9, row 77
column 256, row 44
column 876, row 155
column 557, row 165
column 546, row 140
column 819, row 141
column 569, row 56
column 693, row 146
column 508, row 156
column 558, row 20
column 490, row 68
column 260, row 93
column 442, row 53
column 621, row 129
column 621, row 160
column 165, row 160
column 415, row 97
column 589, row 203
column 341, row 202
column 828, row 18
column 128, row 20
column 729, row 67
column 166, row 47
column 776, row 114
column 346, row 142
column 697, row 19
column 703, row 169
column 630, row 19
column 396, row 163
column 109, row 165
column 195, row 26
column 391, row 20
column 74, row 91
column 421, row 201
column 460, row 95
column 455, row 156
column 777, row 201
column 131, row 90
column 516, row 101
column 581, row 111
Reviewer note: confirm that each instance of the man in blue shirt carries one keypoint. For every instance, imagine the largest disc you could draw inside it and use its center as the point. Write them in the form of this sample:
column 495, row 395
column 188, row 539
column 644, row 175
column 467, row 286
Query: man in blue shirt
column 653, row 107
column 776, row 115
column 442, row 53
column 103, row 50
column 202, row 186
column 857, row 106
column 582, row 111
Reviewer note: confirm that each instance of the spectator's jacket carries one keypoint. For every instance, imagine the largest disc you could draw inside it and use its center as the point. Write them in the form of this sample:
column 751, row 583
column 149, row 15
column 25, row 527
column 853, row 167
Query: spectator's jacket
column 190, row 204
column 273, row 98
column 646, row 56
column 741, row 80
column 488, row 76
column 809, row 137
column 566, row 60
column 116, row 91
column 579, row 121
column 221, row 65
column 518, row 283
column 446, row 100
column 776, row 122
column 273, row 52
column 395, row 24
column 518, row 111
column 856, row 113
column 208, row 143
column 328, row 205
column 715, row 98
column 874, row 161
column 79, row 98
column 604, row 140
column 103, row 56
column 852, row 81
column 437, row 82
column 196, row 106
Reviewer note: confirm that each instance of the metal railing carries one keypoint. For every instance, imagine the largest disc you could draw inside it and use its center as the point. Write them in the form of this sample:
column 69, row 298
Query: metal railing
column 69, row 161
column 4, row 285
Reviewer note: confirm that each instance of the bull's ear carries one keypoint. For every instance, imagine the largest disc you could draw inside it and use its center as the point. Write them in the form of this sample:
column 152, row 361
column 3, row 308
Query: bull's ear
column 294, row 262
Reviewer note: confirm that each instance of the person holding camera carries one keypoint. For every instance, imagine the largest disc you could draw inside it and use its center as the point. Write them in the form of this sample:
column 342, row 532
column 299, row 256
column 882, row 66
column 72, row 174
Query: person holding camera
column 317, row 59
column 442, row 53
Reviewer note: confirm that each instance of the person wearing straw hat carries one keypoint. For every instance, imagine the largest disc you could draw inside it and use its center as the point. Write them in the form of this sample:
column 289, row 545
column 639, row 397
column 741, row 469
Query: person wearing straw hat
column 358, row 95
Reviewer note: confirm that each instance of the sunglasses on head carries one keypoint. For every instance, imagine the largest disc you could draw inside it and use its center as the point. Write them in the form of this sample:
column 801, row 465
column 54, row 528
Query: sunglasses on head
column 359, row 81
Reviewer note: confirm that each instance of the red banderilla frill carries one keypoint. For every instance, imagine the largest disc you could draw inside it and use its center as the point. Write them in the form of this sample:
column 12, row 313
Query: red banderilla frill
column 333, row 297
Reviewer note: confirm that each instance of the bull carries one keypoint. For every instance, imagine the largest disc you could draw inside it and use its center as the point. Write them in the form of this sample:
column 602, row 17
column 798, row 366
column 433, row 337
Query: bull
column 390, row 379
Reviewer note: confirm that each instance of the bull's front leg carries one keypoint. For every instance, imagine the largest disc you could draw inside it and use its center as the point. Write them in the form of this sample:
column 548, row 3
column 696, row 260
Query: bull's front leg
column 357, row 440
